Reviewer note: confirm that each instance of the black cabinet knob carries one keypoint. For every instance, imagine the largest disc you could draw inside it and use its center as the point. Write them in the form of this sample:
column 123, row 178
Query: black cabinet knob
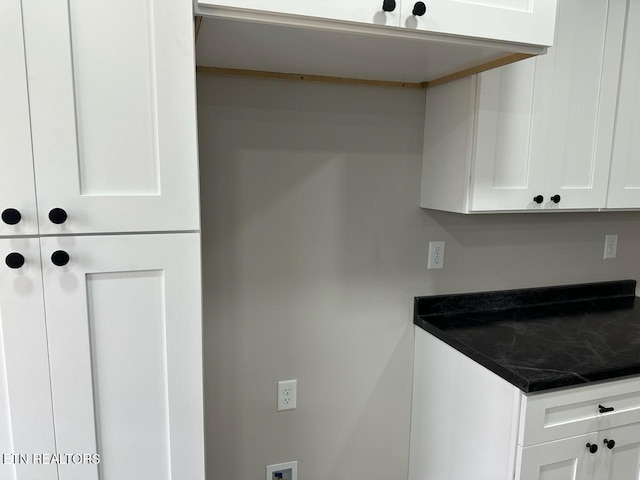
column 538, row 199
column 11, row 216
column 592, row 447
column 60, row 258
column 389, row 5
column 57, row 216
column 419, row 9
column 14, row 260
column 604, row 409
column 555, row 198
column 609, row 443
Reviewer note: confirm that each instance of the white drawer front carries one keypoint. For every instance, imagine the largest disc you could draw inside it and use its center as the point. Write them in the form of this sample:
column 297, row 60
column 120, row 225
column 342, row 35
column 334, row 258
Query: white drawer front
column 574, row 411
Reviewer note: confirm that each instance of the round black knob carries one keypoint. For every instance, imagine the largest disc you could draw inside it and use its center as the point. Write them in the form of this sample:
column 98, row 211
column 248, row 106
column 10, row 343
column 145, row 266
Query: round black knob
column 538, row 199
column 57, row 216
column 14, row 260
column 592, row 447
column 60, row 258
column 555, row 198
column 419, row 9
column 609, row 443
column 11, row 216
column 389, row 5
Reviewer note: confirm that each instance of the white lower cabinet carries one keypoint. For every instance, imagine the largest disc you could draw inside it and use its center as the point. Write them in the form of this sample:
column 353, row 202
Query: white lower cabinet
column 469, row 423
column 118, row 369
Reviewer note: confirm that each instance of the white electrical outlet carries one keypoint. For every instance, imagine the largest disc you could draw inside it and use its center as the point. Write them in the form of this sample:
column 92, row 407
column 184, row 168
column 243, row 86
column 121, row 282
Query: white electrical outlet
column 610, row 246
column 287, row 394
column 284, row 471
column 436, row 255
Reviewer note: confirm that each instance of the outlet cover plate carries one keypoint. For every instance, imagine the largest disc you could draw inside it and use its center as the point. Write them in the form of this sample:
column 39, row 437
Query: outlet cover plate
column 288, row 470
column 610, row 246
column 436, row 255
column 287, row 395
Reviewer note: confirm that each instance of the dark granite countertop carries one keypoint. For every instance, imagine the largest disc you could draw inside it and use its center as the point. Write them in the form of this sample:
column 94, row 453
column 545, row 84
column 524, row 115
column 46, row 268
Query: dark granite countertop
column 542, row 338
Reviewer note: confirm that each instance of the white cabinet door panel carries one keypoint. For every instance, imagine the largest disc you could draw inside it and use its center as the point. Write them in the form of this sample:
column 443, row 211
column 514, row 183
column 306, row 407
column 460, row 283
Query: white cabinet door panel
column 26, row 421
column 363, row 11
column 504, row 178
column 582, row 71
column 16, row 163
column 624, row 186
column 113, row 114
column 522, row 21
column 622, row 462
column 567, row 459
column 125, row 348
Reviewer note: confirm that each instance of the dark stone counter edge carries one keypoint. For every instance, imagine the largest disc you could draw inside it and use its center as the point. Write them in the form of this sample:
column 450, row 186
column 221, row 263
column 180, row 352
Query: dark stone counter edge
column 561, row 379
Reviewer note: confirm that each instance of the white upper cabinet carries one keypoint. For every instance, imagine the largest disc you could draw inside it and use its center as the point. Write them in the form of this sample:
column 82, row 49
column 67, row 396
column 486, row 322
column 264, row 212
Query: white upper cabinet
column 538, row 133
column 17, row 194
column 523, row 21
column 26, row 420
column 624, row 188
column 368, row 11
column 124, row 329
column 112, row 99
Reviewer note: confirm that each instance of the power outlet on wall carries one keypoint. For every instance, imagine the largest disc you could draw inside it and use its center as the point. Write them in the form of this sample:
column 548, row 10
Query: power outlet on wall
column 610, row 246
column 436, row 255
column 287, row 394
column 283, row 471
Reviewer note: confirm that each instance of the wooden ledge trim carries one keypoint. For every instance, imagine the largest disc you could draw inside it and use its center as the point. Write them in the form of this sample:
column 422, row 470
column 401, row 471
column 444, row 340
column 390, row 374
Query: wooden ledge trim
column 238, row 72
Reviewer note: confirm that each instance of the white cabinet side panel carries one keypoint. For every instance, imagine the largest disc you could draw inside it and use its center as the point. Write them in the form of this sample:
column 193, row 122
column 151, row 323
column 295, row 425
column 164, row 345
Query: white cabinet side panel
column 16, row 163
column 112, row 90
column 448, row 134
column 464, row 419
column 124, row 323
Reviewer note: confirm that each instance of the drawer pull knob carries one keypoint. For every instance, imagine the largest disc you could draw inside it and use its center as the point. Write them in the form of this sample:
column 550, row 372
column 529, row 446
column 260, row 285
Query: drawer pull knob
column 11, row 216
column 419, row 9
column 60, row 258
column 593, row 448
column 604, row 409
column 57, row 216
column 538, row 199
column 610, row 443
column 388, row 5
column 14, row 260
column 556, row 198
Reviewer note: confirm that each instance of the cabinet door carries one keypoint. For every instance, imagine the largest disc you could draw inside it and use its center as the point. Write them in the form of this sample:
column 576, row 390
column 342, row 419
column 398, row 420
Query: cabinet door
column 503, row 176
column 622, row 462
column 112, row 96
column 624, row 186
column 363, row 11
column 26, row 421
column 567, row 459
column 124, row 327
column 578, row 84
column 16, row 165
column 521, row 21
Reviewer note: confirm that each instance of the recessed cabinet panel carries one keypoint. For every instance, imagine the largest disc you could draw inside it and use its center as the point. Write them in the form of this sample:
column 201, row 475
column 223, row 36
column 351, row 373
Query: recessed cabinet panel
column 619, row 457
column 529, row 21
column 113, row 114
column 16, row 182
column 624, row 187
column 580, row 91
column 365, row 11
column 26, row 421
column 123, row 318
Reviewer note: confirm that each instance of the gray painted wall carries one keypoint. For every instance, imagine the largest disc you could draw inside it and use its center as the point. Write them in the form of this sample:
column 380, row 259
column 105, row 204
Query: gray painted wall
column 314, row 247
